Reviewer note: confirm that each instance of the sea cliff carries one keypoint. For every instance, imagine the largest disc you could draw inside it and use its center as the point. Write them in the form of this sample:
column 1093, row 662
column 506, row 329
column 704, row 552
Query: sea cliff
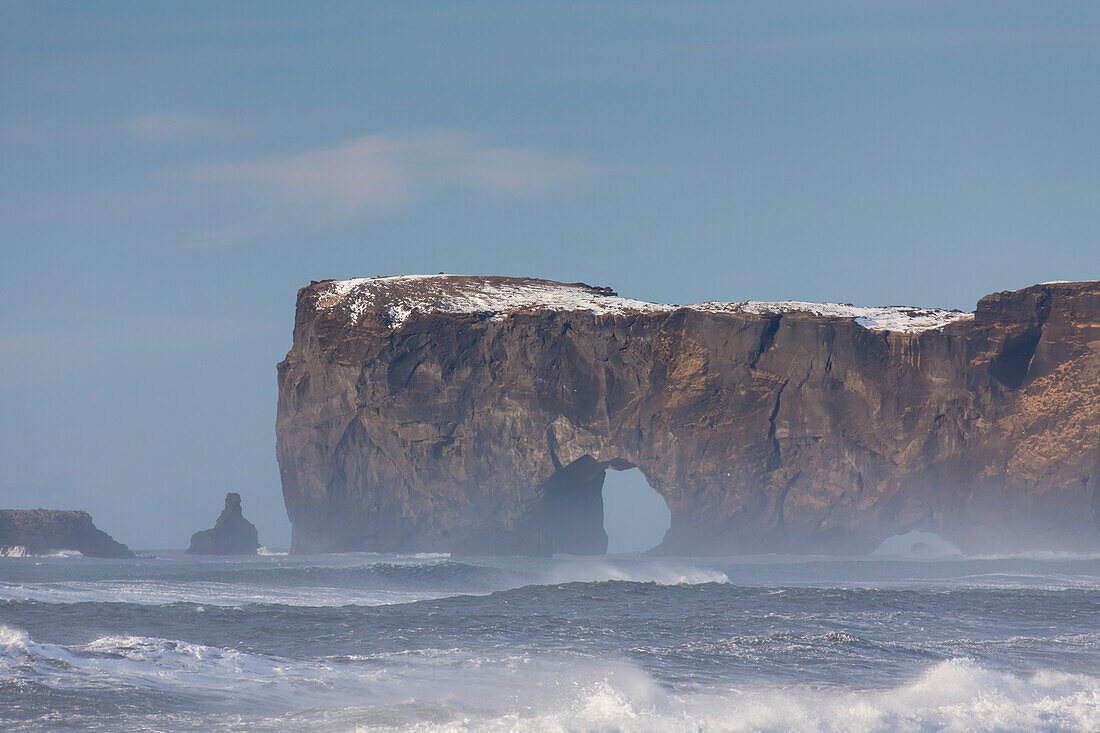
column 479, row 414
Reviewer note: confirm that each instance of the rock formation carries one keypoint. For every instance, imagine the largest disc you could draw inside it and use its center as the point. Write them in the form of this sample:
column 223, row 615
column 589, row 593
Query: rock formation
column 44, row 530
column 479, row 414
column 232, row 534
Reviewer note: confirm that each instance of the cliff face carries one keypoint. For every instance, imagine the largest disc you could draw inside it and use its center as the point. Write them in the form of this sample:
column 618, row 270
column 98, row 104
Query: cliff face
column 231, row 534
column 42, row 530
column 472, row 414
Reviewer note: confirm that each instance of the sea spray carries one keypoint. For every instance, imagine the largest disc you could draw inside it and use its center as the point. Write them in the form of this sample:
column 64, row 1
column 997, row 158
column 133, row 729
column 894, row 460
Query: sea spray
column 617, row 643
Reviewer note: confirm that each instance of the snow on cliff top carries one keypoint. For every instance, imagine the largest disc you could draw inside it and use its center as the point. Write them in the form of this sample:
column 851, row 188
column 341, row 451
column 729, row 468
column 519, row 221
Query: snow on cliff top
column 397, row 297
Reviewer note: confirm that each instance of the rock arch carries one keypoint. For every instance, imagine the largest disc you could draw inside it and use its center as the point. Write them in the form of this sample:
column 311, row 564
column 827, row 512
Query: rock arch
column 635, row 517
column 442, row 426
column 571, row 511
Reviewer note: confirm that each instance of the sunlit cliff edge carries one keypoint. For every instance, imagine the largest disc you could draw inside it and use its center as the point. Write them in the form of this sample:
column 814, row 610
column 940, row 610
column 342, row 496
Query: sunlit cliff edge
column 478, row 415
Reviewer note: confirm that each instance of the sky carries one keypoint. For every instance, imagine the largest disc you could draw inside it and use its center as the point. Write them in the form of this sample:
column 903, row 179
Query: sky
column 171, row 174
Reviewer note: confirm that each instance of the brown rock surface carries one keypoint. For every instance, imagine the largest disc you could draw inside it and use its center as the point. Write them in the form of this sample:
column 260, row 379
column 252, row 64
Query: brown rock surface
column 476, row 414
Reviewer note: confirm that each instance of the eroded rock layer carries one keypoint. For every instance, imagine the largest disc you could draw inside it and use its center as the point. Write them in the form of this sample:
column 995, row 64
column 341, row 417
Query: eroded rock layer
column 478, row 414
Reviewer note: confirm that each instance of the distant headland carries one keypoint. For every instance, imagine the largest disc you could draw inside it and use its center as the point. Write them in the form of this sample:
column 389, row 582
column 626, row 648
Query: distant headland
column 40, row 531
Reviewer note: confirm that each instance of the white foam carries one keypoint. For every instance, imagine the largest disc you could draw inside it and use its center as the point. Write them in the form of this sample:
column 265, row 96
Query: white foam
column 462, row 690
column 219, row 675
column 956, row 695
column 212, row 593
column 69, row 554
column 630, row 569
column 12, row 638
column 398, row 297
column 21, row 551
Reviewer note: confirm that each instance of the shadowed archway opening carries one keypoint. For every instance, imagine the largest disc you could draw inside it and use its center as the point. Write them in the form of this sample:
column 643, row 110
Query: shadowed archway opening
column 635, row 516
column 589, row 508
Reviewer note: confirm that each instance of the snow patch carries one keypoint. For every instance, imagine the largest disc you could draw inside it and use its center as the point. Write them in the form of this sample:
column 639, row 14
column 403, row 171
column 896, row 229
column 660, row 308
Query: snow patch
column 397, row 297
column 901, row 318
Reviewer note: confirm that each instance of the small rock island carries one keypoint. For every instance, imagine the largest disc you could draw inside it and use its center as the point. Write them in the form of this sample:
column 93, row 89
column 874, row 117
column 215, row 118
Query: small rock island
column 40, row 531
column 232, row 534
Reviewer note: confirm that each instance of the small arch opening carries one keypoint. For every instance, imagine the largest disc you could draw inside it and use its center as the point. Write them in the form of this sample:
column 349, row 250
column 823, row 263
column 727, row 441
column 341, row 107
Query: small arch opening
column 916, row 544
column 635, row 516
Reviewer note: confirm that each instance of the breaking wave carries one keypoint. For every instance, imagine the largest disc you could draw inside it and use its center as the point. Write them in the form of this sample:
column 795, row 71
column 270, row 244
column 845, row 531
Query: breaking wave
column 957, row 694
column 615, row 643
column 21, row 551
column 661, row 572
column 458, row 690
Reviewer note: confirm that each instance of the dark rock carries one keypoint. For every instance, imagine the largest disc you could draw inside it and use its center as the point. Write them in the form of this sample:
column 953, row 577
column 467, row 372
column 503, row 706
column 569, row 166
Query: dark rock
column 232, row 534
column 44, row 530
column 469, row 414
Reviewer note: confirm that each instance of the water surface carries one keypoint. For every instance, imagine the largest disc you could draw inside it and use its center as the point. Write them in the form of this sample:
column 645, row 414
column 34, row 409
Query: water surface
column 620, row 643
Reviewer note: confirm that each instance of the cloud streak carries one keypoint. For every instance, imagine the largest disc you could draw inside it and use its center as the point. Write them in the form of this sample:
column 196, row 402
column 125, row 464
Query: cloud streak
column 393, row 171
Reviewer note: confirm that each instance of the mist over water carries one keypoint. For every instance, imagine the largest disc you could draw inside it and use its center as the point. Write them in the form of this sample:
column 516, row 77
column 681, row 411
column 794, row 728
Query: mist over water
column 635, row 516
column 632, row 643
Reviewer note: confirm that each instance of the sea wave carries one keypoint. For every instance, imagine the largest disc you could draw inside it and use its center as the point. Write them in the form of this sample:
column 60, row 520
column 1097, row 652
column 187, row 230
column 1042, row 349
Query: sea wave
column 370, row 581
column 219, row 677
column 461, row 690
column 455, row 690
column 21, row 551
column 211, row 593
column 643, row 570
column 957, row 694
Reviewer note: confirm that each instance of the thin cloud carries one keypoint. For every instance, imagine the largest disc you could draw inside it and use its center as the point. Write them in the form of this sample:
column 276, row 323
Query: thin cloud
column 170, row 126
column 391, row 171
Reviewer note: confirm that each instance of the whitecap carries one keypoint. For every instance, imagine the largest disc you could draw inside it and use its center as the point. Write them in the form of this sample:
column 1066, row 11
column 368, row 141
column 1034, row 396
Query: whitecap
column 631, row 569
column 460, row 689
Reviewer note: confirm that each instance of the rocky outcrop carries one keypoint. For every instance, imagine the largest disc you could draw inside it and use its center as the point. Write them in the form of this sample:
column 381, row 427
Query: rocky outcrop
column 475, row 414
column 231, row 534
column 41, row 531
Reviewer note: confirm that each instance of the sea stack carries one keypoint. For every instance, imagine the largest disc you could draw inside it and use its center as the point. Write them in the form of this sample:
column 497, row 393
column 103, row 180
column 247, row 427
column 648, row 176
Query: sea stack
column 232, row 534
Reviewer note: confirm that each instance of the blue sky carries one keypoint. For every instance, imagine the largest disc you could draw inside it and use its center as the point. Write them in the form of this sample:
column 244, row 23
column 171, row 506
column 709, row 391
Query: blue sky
column 171, row 174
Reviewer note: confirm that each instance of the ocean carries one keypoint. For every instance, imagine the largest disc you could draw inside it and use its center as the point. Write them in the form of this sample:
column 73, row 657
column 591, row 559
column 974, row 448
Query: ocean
column 365, row 642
